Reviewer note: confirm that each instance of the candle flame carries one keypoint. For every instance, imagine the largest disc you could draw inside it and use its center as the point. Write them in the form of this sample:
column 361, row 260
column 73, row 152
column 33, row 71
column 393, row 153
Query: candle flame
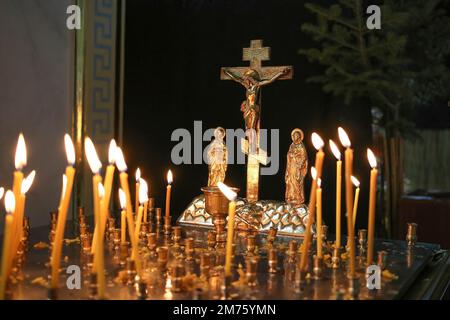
column 27, row 182
column 372, row 159
column 120, row 160
column 230, row 194
column 21, row 153
column 319, row 183
column 334, row 148
column 169, row 177
column 70, row 149
column 313, row 173
column 10, row 202
column 138, row 175
column 345, row 141
column 112, row 152
column 122, row 199
column 317, row 141
column 101, row 190
column 2, row 192
column 355, row 181
column 91, row 155
column 143, row 191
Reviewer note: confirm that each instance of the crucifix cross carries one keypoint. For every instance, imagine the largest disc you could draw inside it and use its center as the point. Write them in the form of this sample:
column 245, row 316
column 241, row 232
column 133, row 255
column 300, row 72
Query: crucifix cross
column 253, row 78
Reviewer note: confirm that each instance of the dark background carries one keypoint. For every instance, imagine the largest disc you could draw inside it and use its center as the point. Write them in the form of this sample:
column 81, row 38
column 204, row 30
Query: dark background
column 174, row 51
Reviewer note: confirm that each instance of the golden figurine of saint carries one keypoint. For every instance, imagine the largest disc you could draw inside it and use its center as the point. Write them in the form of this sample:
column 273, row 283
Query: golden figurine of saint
column 217, row 158
column 296, row 169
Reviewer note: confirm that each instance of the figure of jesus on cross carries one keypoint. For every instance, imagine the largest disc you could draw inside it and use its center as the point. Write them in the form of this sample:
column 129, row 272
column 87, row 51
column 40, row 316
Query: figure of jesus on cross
column 253, row 78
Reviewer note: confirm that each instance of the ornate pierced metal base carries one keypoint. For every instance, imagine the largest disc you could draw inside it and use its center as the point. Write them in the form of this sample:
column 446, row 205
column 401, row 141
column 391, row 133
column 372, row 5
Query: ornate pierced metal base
column 261, row 216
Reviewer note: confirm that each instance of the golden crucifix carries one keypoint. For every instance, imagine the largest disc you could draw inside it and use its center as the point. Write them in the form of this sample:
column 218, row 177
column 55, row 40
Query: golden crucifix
column 253, row 78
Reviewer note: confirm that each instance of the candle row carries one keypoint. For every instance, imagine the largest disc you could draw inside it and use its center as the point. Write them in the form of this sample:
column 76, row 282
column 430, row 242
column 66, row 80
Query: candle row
column 351, row 199
column 15, row 211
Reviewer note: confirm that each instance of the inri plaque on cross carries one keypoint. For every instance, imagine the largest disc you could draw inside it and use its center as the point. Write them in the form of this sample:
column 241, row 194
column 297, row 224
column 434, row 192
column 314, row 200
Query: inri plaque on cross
column 253, row 78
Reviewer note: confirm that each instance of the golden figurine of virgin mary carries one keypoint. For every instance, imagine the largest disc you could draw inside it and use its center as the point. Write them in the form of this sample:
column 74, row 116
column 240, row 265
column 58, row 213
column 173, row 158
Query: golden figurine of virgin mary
column 217, row 158
column 296, row 169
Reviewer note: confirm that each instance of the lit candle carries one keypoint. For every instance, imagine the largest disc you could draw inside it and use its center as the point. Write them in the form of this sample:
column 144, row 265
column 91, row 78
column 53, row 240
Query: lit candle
column 20, row 161
column 143, row 198
column 372, row 202
column 145, row 211
column 123, row 215
column 99, row 260
column 136, row 202
column 109, row 176
column 122, row 166
column 168, row 193
column 355, row 203
column 231, row 195
column 95, row 165
column 7, row 237
column 337, row 154
column 319, row 217
column 308, row 235
column 26, row 185
column 345, row 141
column 62, row 215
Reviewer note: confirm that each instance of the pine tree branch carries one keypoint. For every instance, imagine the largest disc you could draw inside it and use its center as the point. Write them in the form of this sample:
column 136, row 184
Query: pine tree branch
column 321, row 11
column 306, row 27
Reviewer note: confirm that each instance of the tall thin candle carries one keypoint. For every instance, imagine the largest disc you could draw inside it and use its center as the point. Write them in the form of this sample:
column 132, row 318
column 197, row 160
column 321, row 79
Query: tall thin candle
column 349, row 198
column 95, row 165
column 168, row 193
column 231, row 195
column 372, row 203
column 337, row 154
column 62, row 215
column 7, row 237
column 319, row 218
column 136, row 198
column 355, row 202
column 123, row 215
column 143, row 197
column 308, row 232
column 122, row 166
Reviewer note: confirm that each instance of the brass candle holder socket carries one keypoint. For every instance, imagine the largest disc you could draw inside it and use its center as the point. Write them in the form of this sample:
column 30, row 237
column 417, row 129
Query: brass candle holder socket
column 124, row 251
column 85, row 242
column 116, row 237
column 273, row 261
column 131, row 271
column 411, row 234
column 205, row 264
column 251, row 265
column 292, row 251
column 177, row 279
column 271, row 236
column 336, row 258
column 317, row 267
column 251, row 244
column 212, row 236
column 151, row 241
column 167, row 226
column 189, row 248
column 162, row 257
column 158, row 216
column 177, row 235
